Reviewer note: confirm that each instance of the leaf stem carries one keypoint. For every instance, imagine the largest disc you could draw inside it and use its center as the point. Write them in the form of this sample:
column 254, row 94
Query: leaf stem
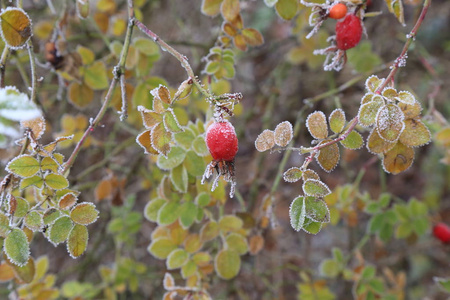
column 3, row 58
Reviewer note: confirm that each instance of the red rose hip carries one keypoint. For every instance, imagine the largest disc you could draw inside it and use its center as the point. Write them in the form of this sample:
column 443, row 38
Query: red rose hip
column 348, row 32
column 442, row 232
column 222, row 141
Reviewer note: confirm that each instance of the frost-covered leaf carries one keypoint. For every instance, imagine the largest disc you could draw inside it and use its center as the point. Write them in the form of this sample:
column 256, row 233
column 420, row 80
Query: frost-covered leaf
column 59, row 231
column 84, row 213
column 164, row 94
column 252, row 37
column 185, row 138
column 415, row 134
column 377, row 145
column 283, row 134
column 36, row 125
column 169, row 213
column 317, row 210
column 410, row 111
column 396, row 7
column 315, row 188
column 23, row 166
column 227, row 263
column 48, row 163
column 16, row 247
column 337, row 120
column 199, row 146
column 77, row 240
column 171, row 122
column 310, row 174
column 398, row 159
column 209, row 231
column 67, row 201
column 389, row 93
column 194, row 164
column 175, row 157
column 168, row 282
column 22, row 207
column 34, row 221
column 56, row 181
column 373, row 82
column 297, row 213
column 406, row 98
column 15, row 27
column 311, row 226
column 293, row 174
column 265, row 141
column 176, row 259
column 16, row 106
column 188, row 213
column 144, row 140
column 36, row 180
column 149, row 117
column 368, row 111
column 230, row 223
column 50, row 216
column 317, row 125
column 161, row 139
column 390, row 122
column 367, row 98
column 328, row 157
column 179, row 178
column 353, row 141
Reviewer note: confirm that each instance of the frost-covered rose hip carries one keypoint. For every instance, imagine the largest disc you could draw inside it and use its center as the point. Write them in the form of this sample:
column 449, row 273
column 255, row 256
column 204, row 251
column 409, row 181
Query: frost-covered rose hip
column 442, row 232
column 348, row 32
column 222, row 141
column 223, row 145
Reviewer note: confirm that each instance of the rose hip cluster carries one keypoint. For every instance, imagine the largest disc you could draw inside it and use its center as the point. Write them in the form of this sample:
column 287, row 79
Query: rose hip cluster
column 349, row 29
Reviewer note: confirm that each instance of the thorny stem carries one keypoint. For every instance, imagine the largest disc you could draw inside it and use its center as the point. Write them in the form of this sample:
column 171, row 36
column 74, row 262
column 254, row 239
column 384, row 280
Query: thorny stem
column 181, row 58
column 118, row 73
column 399, row 62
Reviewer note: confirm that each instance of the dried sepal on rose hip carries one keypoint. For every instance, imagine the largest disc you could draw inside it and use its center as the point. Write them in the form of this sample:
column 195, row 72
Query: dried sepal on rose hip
column 348, row 35
column 222, row 143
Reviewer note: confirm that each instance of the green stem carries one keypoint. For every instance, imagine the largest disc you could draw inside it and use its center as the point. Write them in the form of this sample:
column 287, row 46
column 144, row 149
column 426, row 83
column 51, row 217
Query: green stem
column 3, row 58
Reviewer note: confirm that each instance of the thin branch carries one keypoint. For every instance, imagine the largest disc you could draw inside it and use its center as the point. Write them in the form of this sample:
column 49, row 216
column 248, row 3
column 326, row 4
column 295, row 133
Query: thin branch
column 3, row 59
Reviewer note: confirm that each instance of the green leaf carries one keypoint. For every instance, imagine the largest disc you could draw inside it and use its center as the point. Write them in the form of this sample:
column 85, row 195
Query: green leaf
column 353, row 141
column 23, row 166
column 185, row 138
column 368, row 111
column 315, row 188
column 80, row 94
column 317, row 210
column 209, row 231
column 202, row 199
column 87, row 55
column 363, row 58
column 34, row 221
column 337, row 120
column 297, row 213
column 293, row 174
column 212, row 67
column 84, row 213
column 77, row 240
column 444, row 283
column 169, row 213
column 311, row 226
column 237, row 243
column 152, row 208
column 60, row 230
column 188, row 213
column 403, row 230
column 188, row 269
column 56, row 182
column 199, row 146
column 176, row 259
column 227, row 263
column 194, row 164
column 171, row 121
column 50, row 216
column 161, row 247
column 16, row 247
column 373, row 82
column 95, row 76
column 286, row 9
column 179, row 178
column 415, row 134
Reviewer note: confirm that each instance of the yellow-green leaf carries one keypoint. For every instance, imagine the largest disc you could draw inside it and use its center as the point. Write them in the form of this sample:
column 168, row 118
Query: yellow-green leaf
column 176, row 259
column 34, row 221
column 34, row 180
column 77, row 240
column 80, row 94
column 297, row 213
column 15, row 27
column 227, row 263
column 315, row 188
column 56, row 182
column 211, row 7
column 252, row 37
column 25, row 273
column 377, row 145
column 171, row 122
column 60, row 230
column 161, row 247
column 286, row 9
column 237, row 243
column 293, row 174
column 161, row 139
column 353, row 141
column 23, row 166
column 415, row 133
column 398, row 159
column 337, row 120
column 95, row 76
column 230, row 9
